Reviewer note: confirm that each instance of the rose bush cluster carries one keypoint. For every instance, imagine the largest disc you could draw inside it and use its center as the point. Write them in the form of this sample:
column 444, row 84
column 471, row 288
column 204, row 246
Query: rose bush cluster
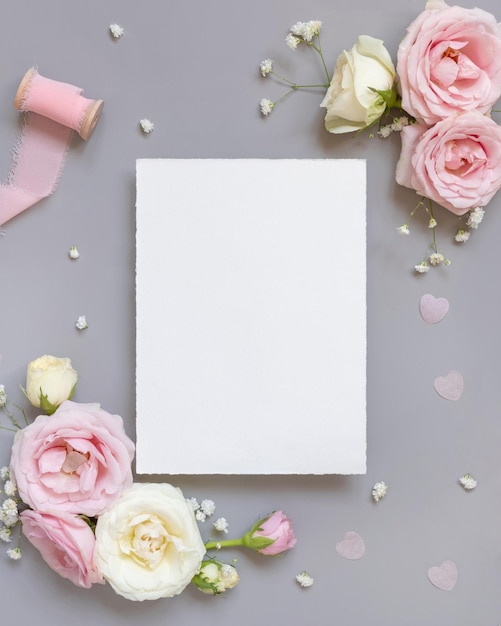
column 448, row 77
column 90, row 522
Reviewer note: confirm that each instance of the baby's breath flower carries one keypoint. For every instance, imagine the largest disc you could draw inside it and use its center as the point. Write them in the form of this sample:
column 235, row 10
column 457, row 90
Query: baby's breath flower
column 3, row 396
column 193, row 502
column 208, row 507
column 10, row 487
column 5, row 534
column 73, row 252
column 147, row 126
column 81, row 323
column 379, row 491
column 266, row 106
column 116, row 31
column 462, row 235
column 14, row 554
column 468, row 482
column 436, row 258
column 304, row 579
column 9, row 514
column 292, row 41
column 403, row 230
column 266, row 67
column 221, row 525
column 306, row 30
column 384, row 131
column 200, row 516
column 432, row 223
column 4, row 472
column 399, row 123
column 422, row 268
column 475, row 217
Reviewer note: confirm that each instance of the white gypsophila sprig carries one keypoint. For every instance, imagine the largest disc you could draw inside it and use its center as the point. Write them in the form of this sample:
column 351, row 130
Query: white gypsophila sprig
column 403, row 230
column 462, row 236
column 10, row 487
column 385, row 131
column 81, row 323
column 147, row 125
column 436, row 258
column 193, row 502
column 292, row 41
column 116, row 31
column 306, row 30
column 304, row 579
column 208, row 507
column 468, row 482
column 73, row 253
column 3, row 396
column 14, row 553
column 266, row 106
column 432, row 223
column 399, row 123
column 422, row 267
column 475, row 217
column 9, row 514
column 200, row 515
column 266, row 67
column 379, row 491
column 221, row 525
column 4, row 472
column 5, row 534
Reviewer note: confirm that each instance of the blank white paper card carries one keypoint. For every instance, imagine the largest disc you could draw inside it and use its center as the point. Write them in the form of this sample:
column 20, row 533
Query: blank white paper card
column 251, row 316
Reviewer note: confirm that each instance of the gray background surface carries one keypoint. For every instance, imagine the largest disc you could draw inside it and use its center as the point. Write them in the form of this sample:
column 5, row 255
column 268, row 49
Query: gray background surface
column 192, row 68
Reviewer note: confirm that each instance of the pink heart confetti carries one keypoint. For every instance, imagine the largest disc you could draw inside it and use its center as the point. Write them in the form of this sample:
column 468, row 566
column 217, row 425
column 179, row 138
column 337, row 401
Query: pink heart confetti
column 433, row 309
column 351, row 547
column 444, row 576
column 451, row 386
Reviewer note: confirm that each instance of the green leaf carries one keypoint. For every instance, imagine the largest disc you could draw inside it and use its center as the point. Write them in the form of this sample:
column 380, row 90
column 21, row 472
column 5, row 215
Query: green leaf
column 46, row 405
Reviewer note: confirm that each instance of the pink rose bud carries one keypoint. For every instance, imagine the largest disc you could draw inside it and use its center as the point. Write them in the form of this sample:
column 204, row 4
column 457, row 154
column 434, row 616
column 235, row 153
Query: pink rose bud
column 271, row 535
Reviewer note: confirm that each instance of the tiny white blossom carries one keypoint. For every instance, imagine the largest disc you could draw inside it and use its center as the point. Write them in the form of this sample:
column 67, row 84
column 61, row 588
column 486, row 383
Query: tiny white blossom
column 468, row 482
column 147, row 126
column 116, row 30
column 384, row 131
column 81, row 323
column 73, row 252
column 475, row 217
column 436, row 258
column 193, row 502
column 9, row 514
column 462, row 235
column 304, row 579
column 10, row 487
column 266, row 67
column 4, row 472
column 200, row 516
column 432, row 223
column 292, row 41
column 218, row 546
column 379, row 491
column 6, row 534
column 3, row 396
column 399, row 123
column 221, row 525
column 266, row 106
column 208, row 507
column 422, row 268
column 14, row 554
column 306, row 30
column 403, row 230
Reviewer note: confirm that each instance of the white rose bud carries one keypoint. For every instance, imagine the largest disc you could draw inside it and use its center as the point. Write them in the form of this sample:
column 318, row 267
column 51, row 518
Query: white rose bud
column 351, row 101
column 49, row 382
column 215, row 577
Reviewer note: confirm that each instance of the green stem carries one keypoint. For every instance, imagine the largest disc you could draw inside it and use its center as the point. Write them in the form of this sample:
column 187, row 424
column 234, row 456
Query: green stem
column 225, row 543
column 319, row 50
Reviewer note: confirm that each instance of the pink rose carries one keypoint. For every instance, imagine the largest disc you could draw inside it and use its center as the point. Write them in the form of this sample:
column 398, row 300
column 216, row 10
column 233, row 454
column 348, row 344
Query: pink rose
column 77, row 460
column 271, row 535
column 66, row 544
column 449, row 62
column 456, row 163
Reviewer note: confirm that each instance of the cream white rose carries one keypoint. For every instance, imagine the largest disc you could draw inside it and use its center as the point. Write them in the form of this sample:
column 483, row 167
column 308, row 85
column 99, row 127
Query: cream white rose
column 50, row 381
column 350, row 102
column 148, row 544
